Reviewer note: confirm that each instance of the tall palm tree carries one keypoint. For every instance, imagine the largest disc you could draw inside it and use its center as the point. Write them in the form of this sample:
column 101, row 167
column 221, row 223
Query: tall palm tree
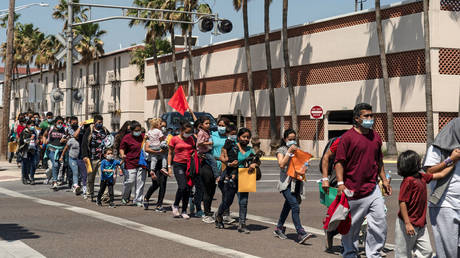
column 4, row 20
column 90, row 47
column 155, row 31
column 274, row 136
column 391, row 146
column 238, row 5
column 61, row 12
column 171, row 5
column 287, row 69
column 139, row 54
column 428, row 83
column 191, row 6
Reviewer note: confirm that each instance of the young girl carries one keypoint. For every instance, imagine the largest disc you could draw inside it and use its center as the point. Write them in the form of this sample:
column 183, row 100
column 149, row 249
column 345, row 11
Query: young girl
column 411, row 233
column 155, row 141
column 204, row 144
column 108, row 170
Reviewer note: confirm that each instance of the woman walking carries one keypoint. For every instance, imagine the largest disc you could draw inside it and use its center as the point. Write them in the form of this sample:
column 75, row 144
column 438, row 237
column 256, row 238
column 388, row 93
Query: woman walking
column 290, row 188
column 181, row 147
column 234, row 156
column 130, row 150
column 28, row 148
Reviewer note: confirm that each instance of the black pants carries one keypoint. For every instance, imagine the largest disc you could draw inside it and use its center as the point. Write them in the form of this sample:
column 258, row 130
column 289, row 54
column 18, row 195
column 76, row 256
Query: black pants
column 208, row 182
column 160, row 183
column 183, row 189
column 104, row 184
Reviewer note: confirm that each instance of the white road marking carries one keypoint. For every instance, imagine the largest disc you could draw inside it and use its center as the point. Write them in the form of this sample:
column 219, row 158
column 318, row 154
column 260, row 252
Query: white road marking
column 136, row 226
column 18, row 249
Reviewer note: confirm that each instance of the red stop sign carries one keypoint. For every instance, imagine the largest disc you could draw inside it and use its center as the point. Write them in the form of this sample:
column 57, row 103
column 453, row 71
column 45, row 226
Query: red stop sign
column 316, row 112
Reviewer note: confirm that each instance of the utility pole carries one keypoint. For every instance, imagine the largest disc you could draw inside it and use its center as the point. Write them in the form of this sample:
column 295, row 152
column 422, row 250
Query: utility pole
column 7, row 84
column 356, row 5
column 69, row 62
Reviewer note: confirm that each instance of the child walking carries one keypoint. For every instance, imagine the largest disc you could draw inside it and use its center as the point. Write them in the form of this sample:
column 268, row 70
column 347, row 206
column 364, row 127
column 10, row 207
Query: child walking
column 411, row 232
column 108, row 170
column 204, row 144
column 156, row 142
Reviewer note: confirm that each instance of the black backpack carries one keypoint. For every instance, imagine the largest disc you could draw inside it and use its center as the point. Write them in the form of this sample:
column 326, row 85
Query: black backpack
column 330, row 167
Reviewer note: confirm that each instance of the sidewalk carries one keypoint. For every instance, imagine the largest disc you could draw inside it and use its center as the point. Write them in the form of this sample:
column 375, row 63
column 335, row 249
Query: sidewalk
column 9, row 171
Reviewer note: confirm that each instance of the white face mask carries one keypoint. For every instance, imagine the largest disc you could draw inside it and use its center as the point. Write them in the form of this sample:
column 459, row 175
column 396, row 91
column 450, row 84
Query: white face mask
column 110, row 157
column 186, row 135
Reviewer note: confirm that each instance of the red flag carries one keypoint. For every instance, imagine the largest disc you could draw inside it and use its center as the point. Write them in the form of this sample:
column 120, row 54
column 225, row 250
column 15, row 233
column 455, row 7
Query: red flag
column 178, row 101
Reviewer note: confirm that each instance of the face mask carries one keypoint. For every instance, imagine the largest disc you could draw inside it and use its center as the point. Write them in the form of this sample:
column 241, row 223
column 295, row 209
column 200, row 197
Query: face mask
column 37, row 119
column 58, row 126
column 367, row 123
column 186, row 135
column 290, row 143
column 32, row 128
column 110, row 157
column 163, row 129
column 244, row 143
column 136, row 134
column 27, row 118
column 232, row 138
column 98, row 126
column 221, row 129
column 50, row 120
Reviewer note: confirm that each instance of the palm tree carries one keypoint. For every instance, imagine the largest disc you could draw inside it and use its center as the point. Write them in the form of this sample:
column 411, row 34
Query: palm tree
column 90, row 47
column 155, row 31
column 191, row 6
column 139, row 54
column 61, row 12
column 4, row 20
column 428, row 85
column 287, row 69
column 274, row 137
column 171, row 5
column 238, row 5
column 391, row 146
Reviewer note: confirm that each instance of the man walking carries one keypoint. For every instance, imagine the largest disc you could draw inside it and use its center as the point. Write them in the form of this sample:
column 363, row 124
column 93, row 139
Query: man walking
column 359, row 161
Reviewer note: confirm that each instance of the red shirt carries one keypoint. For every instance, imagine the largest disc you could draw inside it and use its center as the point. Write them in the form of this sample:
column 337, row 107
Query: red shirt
column 132, row 148
column 19, row 130
column 182, row 148
column 413, row 192
column 334, row 145
column 360, row 155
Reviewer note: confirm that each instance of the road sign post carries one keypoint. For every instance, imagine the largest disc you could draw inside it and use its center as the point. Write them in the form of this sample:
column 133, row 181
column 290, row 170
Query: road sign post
column 316, row 113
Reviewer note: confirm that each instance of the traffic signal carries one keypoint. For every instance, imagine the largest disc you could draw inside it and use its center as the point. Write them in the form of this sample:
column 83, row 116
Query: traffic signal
column 225, row 26
column 206, row 24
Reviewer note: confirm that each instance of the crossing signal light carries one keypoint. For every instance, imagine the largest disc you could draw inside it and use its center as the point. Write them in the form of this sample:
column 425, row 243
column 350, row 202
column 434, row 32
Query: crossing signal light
column 225, row 26
column 206, row 24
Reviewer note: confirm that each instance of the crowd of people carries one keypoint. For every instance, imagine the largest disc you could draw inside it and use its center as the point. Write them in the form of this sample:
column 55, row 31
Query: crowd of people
column 75, row 153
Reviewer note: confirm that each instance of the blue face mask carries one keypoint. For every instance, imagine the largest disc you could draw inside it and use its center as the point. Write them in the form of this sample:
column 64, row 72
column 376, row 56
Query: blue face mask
column 136, row 134
column 221, row 129
column 50, row 120
column 58, row 126
column 367, row 123
column 32, row 128
column 232, row 138
column 290, row 143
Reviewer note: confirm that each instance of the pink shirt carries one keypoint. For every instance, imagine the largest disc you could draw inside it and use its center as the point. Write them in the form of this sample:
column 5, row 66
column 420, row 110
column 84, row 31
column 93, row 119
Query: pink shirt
column 203, row 136
column 154, row 137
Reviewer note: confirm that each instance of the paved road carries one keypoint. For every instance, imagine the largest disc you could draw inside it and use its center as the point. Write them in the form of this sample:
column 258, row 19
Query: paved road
column 36, row 221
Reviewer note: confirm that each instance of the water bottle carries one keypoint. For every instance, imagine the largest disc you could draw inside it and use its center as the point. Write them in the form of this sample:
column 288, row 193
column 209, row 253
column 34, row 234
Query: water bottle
column 388, row 176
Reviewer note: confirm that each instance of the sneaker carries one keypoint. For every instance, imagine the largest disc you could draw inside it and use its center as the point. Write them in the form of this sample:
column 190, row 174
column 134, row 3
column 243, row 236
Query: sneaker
column 54, row 186
column 98, row 203
column 280, row 233
column 199, row 214
column 111, row 205
column 139, row 204
column 160, row 209
column 243, row 229
column 175, row 211
column 208, row 220
column 60, row 183
column 302, row 237
column 85, row 196
column 46, row 181
column 219, row 222
column 228, row 220
column 185, row 216
column 32, row 182
column 146, row 205
column 124, row 202
column 77, row 190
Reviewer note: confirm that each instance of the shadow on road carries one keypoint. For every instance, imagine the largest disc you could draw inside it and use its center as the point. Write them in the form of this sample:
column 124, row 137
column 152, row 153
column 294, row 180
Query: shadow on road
column 11, row 232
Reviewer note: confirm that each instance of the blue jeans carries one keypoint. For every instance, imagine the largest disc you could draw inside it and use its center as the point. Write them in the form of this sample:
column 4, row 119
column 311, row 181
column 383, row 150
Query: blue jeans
column 56, row 164
column 209, row 158
column 228, row 196
column 291, row 204
column 74, row 167
column 28, row 166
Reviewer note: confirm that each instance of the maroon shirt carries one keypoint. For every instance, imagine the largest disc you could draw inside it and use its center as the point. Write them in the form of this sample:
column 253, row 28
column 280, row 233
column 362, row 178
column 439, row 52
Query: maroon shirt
column 360, row 155
column 132, row 147
column 413, row 192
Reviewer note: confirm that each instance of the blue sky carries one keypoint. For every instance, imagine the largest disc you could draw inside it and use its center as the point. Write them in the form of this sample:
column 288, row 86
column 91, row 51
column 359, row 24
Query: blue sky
column 120, row 35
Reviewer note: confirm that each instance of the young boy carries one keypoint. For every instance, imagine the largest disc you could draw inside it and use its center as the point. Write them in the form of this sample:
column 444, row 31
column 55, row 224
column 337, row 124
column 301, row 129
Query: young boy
column 108, row 168
column 411, row 233
column 73, row 147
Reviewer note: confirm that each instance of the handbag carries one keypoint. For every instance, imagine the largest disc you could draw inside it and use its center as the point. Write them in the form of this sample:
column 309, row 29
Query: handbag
column 142, row 160
column 193, row 165
column 296, row 167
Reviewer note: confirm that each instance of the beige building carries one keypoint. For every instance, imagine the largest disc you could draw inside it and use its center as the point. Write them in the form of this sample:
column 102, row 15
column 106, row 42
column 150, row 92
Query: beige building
column 112, row 90
column 335, row 64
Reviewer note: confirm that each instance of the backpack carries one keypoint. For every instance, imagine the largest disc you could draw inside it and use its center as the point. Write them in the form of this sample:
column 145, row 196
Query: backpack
column 330, row 167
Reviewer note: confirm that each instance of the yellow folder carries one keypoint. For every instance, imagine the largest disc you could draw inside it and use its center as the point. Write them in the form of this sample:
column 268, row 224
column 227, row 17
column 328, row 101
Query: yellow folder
column 246, row 181
column 89, row 169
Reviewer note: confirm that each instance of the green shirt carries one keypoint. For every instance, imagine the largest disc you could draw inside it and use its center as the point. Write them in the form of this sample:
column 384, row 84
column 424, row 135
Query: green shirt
column 44, row 125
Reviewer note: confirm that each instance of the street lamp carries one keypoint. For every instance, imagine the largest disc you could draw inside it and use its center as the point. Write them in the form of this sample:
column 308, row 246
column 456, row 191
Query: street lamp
column 4, row 12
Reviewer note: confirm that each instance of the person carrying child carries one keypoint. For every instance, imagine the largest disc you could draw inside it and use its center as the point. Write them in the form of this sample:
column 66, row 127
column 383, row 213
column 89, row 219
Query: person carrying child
column 411, row 234
column 108, row 167
column 204, row 144
column 156, row 142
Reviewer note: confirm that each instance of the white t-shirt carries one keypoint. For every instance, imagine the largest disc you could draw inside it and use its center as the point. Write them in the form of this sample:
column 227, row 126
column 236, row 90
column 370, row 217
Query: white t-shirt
column 451, row 197
column 154, row 137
